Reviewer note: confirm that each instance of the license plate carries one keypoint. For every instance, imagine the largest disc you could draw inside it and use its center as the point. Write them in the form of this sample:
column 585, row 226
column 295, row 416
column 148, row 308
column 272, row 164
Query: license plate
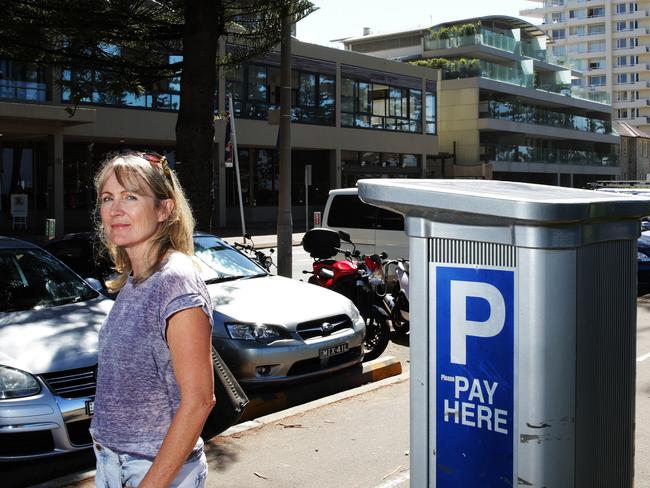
column 90, row 407
column 327, row 352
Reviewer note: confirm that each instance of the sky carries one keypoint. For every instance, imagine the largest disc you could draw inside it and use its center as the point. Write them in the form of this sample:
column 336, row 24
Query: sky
column 336, row 19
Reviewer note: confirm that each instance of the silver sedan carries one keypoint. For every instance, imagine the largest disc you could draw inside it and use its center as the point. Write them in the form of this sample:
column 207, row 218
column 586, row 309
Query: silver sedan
column 49, row 323
column 271, row 329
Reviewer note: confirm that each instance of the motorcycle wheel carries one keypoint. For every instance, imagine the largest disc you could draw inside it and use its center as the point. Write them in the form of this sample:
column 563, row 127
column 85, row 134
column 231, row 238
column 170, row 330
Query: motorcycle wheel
column 400, row 326
column 377, row 336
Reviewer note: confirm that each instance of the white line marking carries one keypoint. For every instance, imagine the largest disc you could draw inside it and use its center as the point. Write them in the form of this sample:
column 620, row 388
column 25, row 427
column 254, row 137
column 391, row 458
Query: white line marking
column 643, row 358
column 392, row 483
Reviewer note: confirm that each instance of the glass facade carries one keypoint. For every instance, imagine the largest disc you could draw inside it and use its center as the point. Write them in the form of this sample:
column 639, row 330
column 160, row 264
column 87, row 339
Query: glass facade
column 163, row 95
column 22, row 81
column 357, row 165
column 260, row 177
column 255, row 89
column 372, row 105
column 528, row 114
column 530, row 154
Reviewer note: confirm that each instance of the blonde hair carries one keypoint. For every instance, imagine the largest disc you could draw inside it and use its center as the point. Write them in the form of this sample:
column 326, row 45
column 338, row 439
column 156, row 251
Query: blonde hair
column 147, row 173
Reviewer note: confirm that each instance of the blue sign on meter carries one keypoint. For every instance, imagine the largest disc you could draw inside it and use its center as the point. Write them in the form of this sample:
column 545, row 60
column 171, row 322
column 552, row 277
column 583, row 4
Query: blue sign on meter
column 474, row 377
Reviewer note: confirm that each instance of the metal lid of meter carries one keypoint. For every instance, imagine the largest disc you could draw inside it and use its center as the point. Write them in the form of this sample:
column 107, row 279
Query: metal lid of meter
column 502, row 199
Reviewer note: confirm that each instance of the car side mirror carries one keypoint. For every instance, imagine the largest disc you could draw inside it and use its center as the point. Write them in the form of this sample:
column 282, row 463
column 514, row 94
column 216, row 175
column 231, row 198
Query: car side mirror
column 94, row 283
column 345, row 237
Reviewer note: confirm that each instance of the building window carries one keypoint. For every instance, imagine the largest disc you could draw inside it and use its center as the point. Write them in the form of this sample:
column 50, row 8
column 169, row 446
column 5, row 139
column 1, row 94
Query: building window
column 599, row 63
column 621, row 26
column 578, row 30
column 621, row 8
column 557, row 17
column 621, row 113
column 255, row 89
column 381, row 106
column 596, row 12
column 577, row 14
column 558, row 50
column 596, row 46
column 558, row 34
column 621, row 96
column 164, row 95
column 596, row 29
column 621, row 43
column 22, row 81
column 431, row 113
column 598, row 80
column 578, row 47
column 621, row 60
column 621, row 78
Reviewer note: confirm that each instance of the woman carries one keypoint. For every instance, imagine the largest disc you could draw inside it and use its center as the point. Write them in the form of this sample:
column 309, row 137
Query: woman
column 155, row 376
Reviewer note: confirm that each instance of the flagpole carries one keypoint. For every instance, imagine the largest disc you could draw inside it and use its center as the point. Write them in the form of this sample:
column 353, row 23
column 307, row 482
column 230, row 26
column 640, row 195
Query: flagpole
column 236, row 158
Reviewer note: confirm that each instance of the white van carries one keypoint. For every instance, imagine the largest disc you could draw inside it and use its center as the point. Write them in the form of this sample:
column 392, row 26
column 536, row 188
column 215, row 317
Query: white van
column 371, row 228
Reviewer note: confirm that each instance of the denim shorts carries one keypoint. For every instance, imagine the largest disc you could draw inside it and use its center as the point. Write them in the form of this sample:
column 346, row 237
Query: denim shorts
column 123, row 470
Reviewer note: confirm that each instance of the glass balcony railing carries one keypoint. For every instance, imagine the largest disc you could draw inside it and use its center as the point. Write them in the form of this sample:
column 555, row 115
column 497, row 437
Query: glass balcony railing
column 518, row 112
column 23, row 90
column 528, row 154
column 591, row 95
column 507, row 74
column 487, row 38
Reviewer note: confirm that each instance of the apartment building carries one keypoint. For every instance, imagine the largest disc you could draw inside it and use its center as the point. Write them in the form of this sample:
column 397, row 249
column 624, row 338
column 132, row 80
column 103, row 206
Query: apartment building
column 504, row 111
column 354, row 116
column 609, row 42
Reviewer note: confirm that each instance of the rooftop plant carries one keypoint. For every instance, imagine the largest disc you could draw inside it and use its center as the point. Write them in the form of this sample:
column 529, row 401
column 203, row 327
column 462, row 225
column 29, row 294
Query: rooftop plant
column 458, row 30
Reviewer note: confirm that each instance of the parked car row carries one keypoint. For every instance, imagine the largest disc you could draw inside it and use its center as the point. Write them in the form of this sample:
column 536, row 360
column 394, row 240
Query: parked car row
column 270, row 330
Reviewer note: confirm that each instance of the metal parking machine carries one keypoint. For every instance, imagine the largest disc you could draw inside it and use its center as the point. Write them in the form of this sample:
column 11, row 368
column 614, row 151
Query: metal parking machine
column 523, row 332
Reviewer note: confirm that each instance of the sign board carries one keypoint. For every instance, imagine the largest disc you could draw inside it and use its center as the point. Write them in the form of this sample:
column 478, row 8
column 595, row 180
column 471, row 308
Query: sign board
column 317, row 219
column 307, row 174
column 474, row 375
column 19, row 204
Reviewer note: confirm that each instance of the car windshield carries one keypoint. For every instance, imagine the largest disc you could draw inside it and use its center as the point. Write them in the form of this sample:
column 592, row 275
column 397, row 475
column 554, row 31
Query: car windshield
column 223, row 263
column 32, row 279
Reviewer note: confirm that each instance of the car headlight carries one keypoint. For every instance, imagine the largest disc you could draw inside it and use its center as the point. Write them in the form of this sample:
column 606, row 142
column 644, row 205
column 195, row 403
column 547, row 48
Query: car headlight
column 16, row 384
column 355, row 316
column 255, row 332
column 642, row 257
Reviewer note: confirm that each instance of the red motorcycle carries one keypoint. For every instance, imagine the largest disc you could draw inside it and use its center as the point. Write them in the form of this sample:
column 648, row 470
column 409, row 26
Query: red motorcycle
column 359, row 277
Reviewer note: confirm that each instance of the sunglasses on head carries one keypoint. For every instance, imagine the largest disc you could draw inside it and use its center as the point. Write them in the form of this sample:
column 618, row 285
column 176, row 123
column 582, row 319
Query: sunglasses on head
column 157, row 161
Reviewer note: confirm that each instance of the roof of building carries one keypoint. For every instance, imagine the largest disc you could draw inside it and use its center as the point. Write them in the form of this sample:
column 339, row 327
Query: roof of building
column 515, row 22
column 626, row 130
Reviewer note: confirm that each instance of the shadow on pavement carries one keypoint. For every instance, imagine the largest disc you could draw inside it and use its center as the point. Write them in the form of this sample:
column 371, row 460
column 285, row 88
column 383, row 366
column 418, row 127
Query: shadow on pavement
column 29, row 473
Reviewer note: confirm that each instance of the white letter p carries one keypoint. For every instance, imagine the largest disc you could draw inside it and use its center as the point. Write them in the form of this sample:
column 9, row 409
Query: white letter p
column 461, row 328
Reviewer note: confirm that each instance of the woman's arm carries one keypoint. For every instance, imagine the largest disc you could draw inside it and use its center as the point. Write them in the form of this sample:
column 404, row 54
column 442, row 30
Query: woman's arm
column 189, row 339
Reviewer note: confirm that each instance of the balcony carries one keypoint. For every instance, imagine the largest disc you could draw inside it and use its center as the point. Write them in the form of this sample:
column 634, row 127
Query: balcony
column 631, row 103
column 526, row 114
column 593, row 94
column 639, row 14
column 486, row 38
column 23, row 90
column 527, row 154
column 641, row 120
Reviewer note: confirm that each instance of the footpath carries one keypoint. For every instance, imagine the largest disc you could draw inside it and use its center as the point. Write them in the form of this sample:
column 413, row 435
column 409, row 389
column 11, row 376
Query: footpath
column 358, row 438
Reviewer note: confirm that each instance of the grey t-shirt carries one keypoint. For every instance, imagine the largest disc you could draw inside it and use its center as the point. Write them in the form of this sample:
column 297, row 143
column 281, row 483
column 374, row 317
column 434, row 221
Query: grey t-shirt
column 137, row 394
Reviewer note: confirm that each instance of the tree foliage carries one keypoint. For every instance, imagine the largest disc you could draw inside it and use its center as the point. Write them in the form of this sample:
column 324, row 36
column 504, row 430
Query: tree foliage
column 124, row 46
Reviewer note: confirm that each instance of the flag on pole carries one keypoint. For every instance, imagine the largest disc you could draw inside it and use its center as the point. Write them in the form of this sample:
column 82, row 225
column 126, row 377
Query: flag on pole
column 228, row 157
